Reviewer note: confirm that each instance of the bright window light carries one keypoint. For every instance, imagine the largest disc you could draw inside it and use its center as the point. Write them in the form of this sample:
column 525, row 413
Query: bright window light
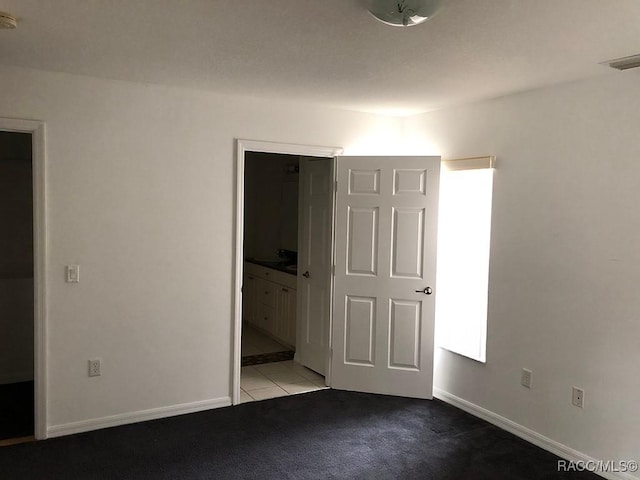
column 464, row 233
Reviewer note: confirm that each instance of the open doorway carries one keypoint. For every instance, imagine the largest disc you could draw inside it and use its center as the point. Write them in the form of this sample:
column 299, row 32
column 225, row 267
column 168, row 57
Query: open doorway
column 20, row 270
column 270, row 258
column 370, row 274
column 17, row 399
column 271, row 249
column 277, row 356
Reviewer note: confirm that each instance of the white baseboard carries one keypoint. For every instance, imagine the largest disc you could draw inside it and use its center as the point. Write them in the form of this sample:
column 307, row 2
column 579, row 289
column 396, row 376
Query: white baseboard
column 525, row 433
column 16, row 377
column 134, row 417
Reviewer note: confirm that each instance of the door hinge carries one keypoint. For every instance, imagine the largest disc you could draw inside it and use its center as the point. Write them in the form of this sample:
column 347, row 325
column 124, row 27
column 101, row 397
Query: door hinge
column 333, row 270
column 335, row 186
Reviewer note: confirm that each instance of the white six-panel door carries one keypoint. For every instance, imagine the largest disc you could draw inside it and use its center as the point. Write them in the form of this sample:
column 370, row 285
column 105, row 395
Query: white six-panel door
column 384, row 297
column 314, row 262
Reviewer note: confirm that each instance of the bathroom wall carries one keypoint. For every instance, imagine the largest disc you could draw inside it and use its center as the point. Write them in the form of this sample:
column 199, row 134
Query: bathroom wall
column 271, row 204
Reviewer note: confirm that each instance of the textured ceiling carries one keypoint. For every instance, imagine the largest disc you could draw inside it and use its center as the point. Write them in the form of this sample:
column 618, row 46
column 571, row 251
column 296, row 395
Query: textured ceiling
column 329, row 52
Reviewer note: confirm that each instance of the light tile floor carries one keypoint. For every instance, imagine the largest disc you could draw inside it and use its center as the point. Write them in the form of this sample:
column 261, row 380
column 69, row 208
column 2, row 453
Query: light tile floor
column 270, row 380
column 256, row 343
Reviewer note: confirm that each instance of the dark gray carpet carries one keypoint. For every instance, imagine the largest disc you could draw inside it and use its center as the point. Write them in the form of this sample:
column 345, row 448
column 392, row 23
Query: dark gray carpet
column 16, row 410
column 324, row 434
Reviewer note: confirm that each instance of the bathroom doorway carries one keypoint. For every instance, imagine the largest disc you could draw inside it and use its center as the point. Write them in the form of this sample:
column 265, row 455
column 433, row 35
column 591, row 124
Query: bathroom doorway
column 270, row 257
column 270, row 280
column 270, row 338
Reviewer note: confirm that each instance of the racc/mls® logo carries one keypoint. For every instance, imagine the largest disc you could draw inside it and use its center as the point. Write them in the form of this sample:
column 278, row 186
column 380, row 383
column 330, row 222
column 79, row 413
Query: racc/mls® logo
column 598, row 466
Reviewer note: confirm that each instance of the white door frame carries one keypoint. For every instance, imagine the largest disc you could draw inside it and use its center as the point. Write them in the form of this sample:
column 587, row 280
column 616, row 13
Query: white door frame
column 243, row 146
column 37, row 130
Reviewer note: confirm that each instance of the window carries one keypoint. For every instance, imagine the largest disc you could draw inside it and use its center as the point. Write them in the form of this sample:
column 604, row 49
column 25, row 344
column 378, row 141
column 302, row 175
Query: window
column 464, row 233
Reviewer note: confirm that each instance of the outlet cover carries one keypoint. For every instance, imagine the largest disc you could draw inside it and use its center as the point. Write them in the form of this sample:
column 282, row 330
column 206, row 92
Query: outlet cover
column 94, row 368
column 577, row 398
column 526, row 378
column 72, row 273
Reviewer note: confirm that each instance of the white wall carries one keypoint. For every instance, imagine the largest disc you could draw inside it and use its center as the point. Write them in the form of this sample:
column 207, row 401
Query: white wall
column 140, row 193
column 565, row 259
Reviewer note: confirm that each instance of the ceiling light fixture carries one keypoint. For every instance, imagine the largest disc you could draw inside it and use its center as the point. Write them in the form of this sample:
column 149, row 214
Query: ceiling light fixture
column 404, row 13
column 625, row 63
column 7, row 22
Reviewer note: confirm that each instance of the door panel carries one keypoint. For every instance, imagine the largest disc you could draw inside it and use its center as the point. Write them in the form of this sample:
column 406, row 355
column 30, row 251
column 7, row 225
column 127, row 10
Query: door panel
column 314, row 262
column 386, row 221
column 408, row 182
column 360, row 330
column 362, row 253
column 404, row 344
column 407, row 242
column 364, row 182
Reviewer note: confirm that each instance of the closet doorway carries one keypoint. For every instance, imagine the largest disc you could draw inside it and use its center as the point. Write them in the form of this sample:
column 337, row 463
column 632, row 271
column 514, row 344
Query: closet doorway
column 22, row 260
column 16, row 286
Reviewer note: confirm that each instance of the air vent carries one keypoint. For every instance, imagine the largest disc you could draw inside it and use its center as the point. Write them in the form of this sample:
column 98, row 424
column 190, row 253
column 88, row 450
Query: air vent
column 624, row 63
column 7, row 21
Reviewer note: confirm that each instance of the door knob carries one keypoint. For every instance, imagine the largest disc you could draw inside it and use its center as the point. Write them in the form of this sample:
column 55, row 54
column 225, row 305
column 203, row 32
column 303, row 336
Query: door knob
column 306, row 274
column 425, row 290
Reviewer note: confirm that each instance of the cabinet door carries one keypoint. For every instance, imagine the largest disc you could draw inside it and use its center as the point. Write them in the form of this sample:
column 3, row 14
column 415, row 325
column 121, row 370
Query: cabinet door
column 285, row 315
column 267, row 292
column 291, row 318
column 282, row 302
column 249, row 300
column 265, row 318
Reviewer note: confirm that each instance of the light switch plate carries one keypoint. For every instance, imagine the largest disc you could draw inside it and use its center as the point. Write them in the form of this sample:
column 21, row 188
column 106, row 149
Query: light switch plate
column 73, row 273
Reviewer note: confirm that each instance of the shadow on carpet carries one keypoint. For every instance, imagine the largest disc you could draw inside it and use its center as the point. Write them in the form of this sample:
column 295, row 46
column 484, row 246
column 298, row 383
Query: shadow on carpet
column 16, row 410
column 318, row 435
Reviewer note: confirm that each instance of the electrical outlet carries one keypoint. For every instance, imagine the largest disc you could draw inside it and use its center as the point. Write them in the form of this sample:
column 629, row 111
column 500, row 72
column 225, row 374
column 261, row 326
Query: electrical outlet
column 73, row 273
column 527, row 376
column 577, row 398
column 94, row 368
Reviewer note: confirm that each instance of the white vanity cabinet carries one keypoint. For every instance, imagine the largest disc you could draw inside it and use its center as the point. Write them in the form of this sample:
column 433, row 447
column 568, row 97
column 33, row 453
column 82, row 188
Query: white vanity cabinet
column 249, row 300
column 269, row 301
column 284, row 327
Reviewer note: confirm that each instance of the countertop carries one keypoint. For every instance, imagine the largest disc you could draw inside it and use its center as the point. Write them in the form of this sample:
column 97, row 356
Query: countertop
column 281, row 266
